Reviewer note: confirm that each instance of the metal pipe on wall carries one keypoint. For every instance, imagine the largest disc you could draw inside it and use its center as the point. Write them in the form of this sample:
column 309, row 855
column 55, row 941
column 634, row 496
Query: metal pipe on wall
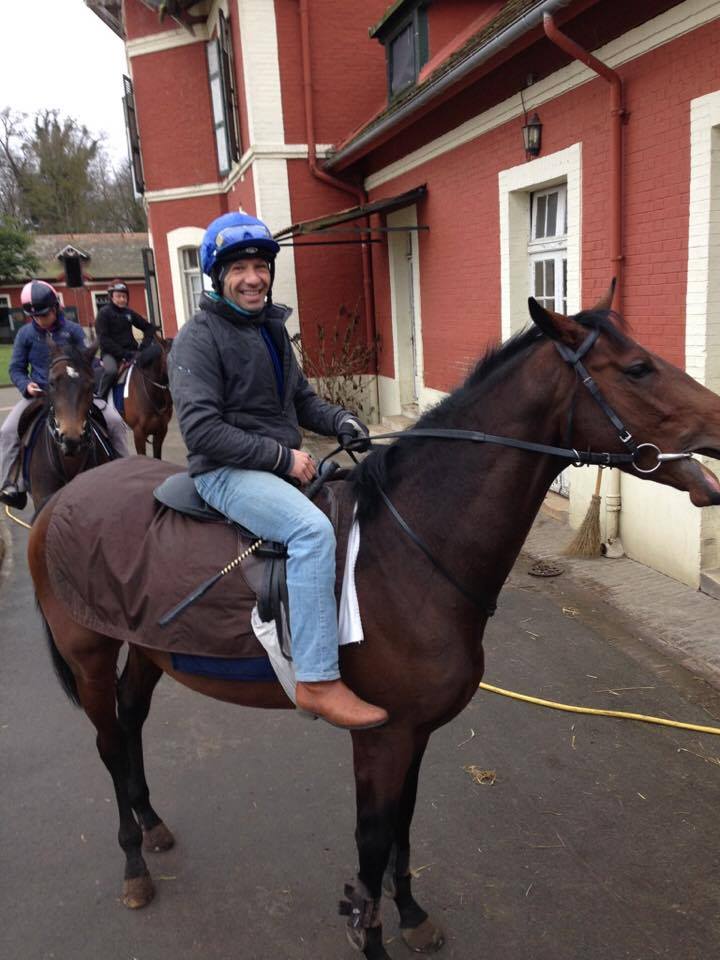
column 613, row 498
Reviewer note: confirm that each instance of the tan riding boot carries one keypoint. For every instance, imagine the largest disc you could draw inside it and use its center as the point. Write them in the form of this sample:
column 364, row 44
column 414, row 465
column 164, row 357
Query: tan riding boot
column 336, row 703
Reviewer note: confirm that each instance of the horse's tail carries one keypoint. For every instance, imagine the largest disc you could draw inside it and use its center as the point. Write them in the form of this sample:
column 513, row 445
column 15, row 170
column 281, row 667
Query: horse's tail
column 62, row 670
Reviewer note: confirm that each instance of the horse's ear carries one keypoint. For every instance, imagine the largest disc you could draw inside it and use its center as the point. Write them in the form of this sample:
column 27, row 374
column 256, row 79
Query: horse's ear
column 605, row 302
column 545, row 319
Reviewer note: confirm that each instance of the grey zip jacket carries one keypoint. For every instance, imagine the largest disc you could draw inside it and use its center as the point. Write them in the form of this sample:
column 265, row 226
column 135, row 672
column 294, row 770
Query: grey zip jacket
column 226, row 395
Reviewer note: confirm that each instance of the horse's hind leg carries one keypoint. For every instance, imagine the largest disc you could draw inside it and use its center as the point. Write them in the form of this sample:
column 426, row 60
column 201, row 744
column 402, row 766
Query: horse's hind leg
column 86, row 663
column 92, row 658
column 134, row 693
column 140, row 441
column 418, row 931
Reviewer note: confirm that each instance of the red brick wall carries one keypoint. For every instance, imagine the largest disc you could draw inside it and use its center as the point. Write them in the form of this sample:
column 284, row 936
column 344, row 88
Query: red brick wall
column 327, row 276
column 460, row 255
column 348, row 70
column 172, row 96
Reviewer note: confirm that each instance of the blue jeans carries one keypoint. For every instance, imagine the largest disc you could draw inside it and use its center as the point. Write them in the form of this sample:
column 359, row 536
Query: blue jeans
column 276, row 510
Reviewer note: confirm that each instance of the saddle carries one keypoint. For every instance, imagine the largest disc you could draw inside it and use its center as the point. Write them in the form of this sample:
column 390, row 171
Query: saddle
column 264, row 568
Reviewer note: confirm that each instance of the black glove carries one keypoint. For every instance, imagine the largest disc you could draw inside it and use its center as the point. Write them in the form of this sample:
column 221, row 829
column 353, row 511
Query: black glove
column 353, row 429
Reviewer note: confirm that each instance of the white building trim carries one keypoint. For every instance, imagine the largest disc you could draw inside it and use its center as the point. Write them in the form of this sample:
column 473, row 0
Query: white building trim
column 287, row 151
column 515, row 186
column 176, row 240
column 648, row 36
column 167, row 40
column 261, row 70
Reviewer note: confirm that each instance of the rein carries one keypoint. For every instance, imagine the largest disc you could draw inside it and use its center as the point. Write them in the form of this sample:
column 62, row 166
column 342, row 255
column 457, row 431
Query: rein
column 576, row 457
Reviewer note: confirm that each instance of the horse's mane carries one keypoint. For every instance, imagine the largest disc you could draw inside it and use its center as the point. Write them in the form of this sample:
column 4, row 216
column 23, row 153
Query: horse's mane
column 382, row 467
column 74, row 355
column 148, row 355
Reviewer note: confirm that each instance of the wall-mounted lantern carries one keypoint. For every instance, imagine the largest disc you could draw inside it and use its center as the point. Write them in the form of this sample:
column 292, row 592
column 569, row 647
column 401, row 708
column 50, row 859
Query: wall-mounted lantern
column 532, row 136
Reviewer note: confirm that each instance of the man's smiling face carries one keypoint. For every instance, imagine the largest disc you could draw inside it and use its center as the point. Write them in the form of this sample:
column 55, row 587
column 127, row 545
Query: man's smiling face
column 246, row 283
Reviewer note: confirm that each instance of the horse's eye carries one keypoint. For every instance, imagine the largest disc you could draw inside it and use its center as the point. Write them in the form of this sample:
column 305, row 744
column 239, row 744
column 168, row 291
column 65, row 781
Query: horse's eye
column 638, row 370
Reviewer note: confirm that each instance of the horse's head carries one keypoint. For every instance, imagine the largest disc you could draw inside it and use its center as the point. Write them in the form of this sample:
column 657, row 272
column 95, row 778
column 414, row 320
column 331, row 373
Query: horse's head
column 663, row 409
column 70, row 394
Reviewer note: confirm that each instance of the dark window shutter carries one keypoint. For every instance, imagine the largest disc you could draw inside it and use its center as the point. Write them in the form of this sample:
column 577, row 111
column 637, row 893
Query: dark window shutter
column 133, row 136
column 228, row 78
column 151, row 288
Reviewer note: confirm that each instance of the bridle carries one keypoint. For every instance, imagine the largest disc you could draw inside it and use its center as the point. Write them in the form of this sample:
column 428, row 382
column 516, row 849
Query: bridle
column 52, row 424
column 575, row 457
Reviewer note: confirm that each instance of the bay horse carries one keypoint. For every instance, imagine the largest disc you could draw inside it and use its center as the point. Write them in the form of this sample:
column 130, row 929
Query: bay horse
column 68, row 441
column 148, row 405
column 568, row 388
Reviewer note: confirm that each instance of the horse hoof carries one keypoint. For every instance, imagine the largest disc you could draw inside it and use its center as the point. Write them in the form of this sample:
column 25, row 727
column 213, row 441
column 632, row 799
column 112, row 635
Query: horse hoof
column 158, row 839
column 425, row 938
column 138, row 892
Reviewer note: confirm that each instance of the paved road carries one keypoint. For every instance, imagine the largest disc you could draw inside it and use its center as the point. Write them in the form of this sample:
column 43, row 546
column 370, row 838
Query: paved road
column 598, row 839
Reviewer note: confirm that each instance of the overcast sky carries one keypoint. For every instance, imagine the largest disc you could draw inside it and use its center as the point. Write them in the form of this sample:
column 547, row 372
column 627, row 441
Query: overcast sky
column 57, row 53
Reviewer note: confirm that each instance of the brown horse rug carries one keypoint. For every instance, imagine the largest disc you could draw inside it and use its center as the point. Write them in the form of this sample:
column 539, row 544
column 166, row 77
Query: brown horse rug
column 139, row 563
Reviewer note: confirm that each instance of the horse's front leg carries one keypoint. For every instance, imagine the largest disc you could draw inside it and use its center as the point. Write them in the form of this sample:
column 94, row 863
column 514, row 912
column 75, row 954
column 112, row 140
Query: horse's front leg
column 140, row 440
column 418, row 931
column 134, row 693
column 382, row 761
column 157, row 441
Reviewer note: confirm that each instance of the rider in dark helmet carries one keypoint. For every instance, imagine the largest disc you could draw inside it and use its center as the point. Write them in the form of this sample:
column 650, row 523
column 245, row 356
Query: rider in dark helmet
column 241, row 399
column 113, row 328
column 29, row 369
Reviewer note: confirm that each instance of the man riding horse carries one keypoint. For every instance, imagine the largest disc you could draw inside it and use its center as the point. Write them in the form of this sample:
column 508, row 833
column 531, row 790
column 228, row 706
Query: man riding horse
column 241, row 399
column 113, row 328
column 29, row 371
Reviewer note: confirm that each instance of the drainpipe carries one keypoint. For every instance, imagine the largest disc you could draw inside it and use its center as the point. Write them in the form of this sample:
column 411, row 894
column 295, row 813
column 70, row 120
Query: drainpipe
column 357, row 192
column 613, row 500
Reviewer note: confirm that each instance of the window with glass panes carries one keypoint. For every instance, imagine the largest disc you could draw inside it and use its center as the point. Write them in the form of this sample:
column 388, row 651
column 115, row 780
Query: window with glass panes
column 547, row 249
column 192, row 279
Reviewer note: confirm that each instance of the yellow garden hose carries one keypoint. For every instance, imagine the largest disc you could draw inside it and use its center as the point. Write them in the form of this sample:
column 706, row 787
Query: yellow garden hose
column 621, row 714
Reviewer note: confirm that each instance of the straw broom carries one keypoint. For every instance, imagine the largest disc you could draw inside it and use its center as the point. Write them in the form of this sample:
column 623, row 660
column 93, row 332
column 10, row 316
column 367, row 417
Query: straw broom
column 587, row 542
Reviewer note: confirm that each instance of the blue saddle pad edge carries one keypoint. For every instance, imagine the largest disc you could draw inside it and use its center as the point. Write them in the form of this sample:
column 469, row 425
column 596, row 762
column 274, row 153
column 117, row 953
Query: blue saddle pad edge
column 219, row 668
column 118, row 398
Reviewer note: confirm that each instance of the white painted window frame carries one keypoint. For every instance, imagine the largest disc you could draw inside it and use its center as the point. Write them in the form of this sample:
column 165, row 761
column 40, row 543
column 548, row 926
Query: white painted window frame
column 98, row 293
column 177, row 240
column 515, row 186
column 188, row 272
column 553, row 247
column 5, row 300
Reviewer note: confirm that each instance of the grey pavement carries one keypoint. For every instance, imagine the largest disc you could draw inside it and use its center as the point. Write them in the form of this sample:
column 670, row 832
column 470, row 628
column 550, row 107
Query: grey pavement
column 681, row 622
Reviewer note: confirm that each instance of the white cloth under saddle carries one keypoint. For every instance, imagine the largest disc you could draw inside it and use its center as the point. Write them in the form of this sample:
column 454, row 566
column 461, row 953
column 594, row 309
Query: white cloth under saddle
column 349, row 623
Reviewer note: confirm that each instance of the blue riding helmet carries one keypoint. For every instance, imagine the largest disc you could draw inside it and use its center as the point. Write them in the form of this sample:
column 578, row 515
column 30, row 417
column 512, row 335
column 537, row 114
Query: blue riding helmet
column 232, row 235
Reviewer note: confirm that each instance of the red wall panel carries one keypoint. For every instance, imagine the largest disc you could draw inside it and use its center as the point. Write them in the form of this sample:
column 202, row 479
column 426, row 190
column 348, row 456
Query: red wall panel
column 172, row 96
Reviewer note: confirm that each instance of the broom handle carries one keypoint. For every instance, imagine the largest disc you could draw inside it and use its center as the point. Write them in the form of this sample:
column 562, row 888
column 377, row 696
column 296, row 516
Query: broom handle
column 598, row 481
